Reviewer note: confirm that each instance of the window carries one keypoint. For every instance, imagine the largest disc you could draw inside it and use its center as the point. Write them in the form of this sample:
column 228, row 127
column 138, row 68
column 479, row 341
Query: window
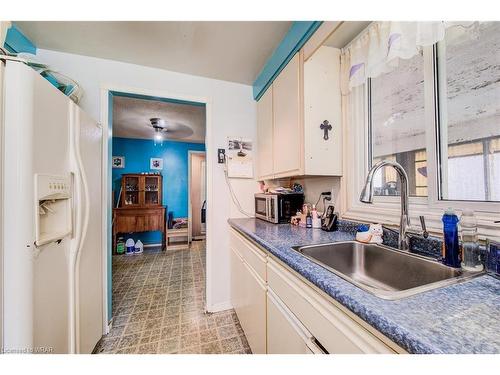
column 397, row 125
column 466, row 66
column 469, row 102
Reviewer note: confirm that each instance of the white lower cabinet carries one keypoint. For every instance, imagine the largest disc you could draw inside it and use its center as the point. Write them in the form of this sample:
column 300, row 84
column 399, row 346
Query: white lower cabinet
column 335, row 329
column 248, row 293
column 281, row 313
column 285, row 333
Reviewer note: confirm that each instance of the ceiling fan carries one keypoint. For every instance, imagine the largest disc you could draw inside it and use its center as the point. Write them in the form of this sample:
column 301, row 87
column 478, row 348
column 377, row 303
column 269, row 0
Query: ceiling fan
column 172, row 130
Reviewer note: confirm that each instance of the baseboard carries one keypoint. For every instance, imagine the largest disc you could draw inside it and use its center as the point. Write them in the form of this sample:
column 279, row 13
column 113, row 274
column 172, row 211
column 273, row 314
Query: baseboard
column 152, row 245
column 220, row 307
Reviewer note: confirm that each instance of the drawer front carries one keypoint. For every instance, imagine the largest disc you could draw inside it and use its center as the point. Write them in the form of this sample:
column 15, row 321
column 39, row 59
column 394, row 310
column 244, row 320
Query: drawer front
column 336, row 331
column 251, row 254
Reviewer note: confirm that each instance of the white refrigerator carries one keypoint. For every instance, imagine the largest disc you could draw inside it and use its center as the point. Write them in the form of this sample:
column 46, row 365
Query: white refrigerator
column 52, row 277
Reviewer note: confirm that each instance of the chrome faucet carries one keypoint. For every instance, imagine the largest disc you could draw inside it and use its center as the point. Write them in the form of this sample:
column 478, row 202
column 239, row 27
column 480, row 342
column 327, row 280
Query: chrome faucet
column 367, row 197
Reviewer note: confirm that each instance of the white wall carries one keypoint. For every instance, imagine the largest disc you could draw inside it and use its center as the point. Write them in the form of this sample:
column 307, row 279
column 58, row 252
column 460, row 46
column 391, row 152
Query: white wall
column 233, row 114
column 313, row 187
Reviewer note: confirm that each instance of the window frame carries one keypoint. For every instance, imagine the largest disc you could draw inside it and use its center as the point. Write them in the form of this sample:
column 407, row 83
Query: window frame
column 386, row 209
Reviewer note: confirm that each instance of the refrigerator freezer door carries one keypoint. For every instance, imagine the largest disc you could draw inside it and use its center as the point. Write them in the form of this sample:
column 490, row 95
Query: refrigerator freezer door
column 36, row 278
column 51, row 292
column 89, row 256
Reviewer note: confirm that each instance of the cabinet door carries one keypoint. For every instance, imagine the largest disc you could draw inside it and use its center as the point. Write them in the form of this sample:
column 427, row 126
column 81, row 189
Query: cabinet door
column 236, row 281
column 125, row 223
column 265, row 135
column 288, row 125
column 285, row 334
column 140, row 222
column 131, row 186
column 152, row 191
column 253, row 310
column 248, row 297
column 322, row 103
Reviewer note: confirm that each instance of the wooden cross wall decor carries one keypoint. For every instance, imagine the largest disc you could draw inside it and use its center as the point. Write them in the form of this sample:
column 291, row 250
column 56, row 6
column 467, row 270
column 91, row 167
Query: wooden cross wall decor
column 326, row 127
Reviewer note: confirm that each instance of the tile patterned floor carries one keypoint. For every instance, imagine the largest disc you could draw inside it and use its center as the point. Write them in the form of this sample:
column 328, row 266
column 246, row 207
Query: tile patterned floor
column 158, row 307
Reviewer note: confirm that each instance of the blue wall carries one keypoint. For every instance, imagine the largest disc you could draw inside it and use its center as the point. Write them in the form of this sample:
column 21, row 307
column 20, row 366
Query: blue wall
column 138, row 153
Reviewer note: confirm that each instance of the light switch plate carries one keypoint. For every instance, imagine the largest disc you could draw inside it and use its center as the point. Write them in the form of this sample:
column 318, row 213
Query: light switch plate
column 221, row 155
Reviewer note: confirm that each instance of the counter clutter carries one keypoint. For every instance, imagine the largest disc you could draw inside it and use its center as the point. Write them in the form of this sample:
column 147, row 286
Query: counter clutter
column 462, row 318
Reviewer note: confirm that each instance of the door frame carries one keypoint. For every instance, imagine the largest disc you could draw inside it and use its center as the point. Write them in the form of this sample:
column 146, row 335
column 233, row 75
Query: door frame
column 190, row 209
column 2, row 71
column 107, row 91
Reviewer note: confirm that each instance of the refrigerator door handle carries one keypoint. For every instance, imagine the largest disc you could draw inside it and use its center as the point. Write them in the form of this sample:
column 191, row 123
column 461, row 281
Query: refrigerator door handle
column 83, row 224
column 73, row 204
column 77, row 233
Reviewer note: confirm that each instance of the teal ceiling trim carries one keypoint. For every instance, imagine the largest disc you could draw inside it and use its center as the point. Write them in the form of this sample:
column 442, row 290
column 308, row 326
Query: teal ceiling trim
column 16, row 41
column 166, row 100
column 298, row 34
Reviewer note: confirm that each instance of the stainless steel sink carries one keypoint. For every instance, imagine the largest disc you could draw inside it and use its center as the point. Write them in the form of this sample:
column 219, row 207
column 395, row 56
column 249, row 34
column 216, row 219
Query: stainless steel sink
column 385, row 272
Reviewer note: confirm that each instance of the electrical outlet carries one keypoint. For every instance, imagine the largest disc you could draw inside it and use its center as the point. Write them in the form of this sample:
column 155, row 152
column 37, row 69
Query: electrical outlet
column 221, row 155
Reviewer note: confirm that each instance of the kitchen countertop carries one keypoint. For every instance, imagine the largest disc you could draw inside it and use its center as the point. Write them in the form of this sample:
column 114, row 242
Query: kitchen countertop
column 461, row 318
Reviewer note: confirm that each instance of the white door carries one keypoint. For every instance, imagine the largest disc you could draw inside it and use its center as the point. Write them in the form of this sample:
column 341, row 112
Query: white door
column 88, row 266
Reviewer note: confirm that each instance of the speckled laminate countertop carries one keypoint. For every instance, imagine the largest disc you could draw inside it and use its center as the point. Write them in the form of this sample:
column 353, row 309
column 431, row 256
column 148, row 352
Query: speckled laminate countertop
column 462, row 318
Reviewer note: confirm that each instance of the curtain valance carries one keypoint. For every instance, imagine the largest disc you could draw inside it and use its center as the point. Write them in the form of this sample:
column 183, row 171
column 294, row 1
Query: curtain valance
column 378, row 49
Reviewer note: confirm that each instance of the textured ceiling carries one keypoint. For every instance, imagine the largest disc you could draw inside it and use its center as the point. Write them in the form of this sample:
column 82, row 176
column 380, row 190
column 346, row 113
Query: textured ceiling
column 230, row 51
column 131, row 119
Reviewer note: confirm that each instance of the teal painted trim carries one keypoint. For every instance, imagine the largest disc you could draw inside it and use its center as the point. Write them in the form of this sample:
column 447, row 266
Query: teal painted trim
column 16, row 41
column 110, row 208
column 166, row 100
column 298, row 34
column 109, row 177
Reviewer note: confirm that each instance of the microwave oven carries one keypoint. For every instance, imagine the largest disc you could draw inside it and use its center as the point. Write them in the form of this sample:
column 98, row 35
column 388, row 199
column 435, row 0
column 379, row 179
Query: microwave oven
column 278, row 207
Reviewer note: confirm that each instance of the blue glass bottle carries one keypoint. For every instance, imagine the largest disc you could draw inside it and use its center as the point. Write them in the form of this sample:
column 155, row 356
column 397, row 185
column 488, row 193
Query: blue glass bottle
column 451, row 245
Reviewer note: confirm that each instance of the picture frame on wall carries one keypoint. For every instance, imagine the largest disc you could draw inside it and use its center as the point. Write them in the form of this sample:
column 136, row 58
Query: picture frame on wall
column 118, row 162
column 156, row 163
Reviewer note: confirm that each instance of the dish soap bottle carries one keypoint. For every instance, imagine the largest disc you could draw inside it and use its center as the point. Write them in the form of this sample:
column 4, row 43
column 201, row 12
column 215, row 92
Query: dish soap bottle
column 316, row 220
column 451, row 244
column 470, row 245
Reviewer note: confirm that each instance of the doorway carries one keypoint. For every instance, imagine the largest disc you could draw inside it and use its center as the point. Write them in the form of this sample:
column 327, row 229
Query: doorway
column 197, row 196
column 150, row 148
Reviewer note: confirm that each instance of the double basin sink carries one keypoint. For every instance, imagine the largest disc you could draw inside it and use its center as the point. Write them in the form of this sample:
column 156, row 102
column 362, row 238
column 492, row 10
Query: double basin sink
column 385, row 272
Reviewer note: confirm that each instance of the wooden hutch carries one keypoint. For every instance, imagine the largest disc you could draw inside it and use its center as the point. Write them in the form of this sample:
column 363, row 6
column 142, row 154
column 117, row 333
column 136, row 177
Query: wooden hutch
column 140, row 206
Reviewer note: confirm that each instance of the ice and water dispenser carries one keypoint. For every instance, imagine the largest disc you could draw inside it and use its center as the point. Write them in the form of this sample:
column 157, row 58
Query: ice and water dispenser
column 53, row 204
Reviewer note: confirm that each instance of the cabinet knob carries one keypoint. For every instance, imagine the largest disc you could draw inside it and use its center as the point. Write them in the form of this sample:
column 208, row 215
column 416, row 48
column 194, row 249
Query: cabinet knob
column 326, row 127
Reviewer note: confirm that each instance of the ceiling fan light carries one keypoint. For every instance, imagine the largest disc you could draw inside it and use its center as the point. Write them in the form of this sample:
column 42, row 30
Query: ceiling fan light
column 158, row 136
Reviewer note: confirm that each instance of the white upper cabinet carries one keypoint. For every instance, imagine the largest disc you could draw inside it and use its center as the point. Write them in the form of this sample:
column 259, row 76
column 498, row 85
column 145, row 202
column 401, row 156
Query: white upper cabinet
column 303, row 100
column 288, row 134
column 265, row 135
column 322, row 106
